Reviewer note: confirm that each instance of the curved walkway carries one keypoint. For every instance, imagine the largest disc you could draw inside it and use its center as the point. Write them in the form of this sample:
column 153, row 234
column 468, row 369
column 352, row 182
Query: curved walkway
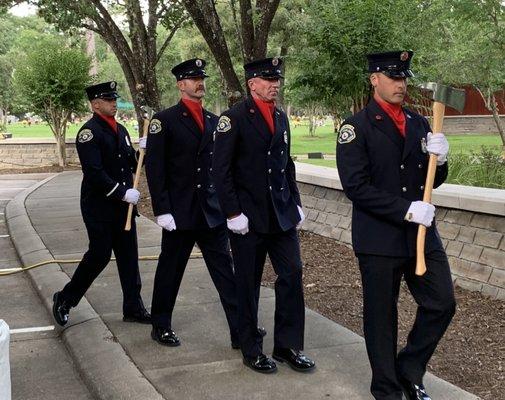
column 119, row 360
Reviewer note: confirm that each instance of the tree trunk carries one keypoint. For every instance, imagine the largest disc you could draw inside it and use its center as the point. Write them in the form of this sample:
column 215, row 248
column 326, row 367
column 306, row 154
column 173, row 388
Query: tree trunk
column 312, row 123
column 499, row 123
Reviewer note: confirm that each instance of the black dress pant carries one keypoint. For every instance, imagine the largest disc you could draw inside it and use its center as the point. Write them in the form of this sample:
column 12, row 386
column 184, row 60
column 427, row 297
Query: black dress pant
column 249, row 254
column 105, row 237
column 176, row 249
column 434, row 294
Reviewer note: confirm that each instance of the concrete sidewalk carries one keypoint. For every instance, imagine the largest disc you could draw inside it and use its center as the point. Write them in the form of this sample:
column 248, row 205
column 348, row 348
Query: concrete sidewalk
column 119, row 360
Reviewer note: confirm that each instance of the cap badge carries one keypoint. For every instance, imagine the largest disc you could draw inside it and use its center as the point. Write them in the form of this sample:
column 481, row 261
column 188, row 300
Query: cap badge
column 404, row 56
column 112, row 85
column 198, row 63
column 275, row 61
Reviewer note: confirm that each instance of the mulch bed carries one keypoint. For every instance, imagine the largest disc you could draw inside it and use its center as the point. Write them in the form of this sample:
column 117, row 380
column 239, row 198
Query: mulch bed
column 472, row 353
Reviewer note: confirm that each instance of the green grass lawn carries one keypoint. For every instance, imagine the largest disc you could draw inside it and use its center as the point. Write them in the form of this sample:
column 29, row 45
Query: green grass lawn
column 302, row 143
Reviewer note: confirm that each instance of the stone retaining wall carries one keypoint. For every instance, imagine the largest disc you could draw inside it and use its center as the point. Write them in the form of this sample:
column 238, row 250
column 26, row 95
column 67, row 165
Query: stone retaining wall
column 470, row 124
column 474, row 241
column 18, row 153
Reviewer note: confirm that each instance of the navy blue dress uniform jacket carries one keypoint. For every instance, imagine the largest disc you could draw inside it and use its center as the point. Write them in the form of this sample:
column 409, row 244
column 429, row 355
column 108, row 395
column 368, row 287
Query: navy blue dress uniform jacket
column 253, row 169
column 108, row 160
column 179, row 166
column 382, row 173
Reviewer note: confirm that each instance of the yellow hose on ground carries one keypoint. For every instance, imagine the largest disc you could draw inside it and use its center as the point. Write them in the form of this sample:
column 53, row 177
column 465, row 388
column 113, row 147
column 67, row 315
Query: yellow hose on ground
column 12, row 271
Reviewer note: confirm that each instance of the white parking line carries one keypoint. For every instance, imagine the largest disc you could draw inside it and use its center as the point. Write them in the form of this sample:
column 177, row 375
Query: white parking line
column 36, row 329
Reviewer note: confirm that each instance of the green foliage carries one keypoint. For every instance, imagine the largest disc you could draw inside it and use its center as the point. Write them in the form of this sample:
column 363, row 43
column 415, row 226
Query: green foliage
column 484, row 168
column 53, row 76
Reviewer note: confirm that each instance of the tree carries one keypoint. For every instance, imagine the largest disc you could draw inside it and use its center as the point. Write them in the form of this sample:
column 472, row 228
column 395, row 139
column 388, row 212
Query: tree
column 469, row 49
column 251, row 29
column 336, row 36
column 51, row 81
column 136, row 47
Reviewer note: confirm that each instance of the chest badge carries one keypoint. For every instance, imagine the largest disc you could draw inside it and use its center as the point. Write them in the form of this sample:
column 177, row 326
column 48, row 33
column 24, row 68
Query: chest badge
column 127, row 141
column 285, row 137
column 85, row 136
column 424, row 149
column 346, row 134
column 224, row 124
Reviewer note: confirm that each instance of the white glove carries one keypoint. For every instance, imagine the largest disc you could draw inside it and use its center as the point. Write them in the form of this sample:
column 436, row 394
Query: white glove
column 132, row 196
column 143, row 142
column 302, row 217
column 436, row 143
column 166, row 221
column 421, row 213
column 238, row 224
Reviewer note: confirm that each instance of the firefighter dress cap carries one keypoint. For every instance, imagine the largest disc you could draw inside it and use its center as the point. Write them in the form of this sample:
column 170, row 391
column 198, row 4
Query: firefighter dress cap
column 194, row 68
column 105, row 90
column 394, row 64
column 267, row 68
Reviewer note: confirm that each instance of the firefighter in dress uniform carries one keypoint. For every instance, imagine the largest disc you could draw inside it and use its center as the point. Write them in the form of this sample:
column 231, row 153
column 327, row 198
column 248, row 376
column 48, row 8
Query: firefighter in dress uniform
column 107, row 159
column 382, row 159
column 184, row 200
column 255, row 181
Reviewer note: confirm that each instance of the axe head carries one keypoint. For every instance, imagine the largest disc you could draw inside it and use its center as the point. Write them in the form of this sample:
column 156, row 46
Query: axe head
column 147, row 111
column 452, row 97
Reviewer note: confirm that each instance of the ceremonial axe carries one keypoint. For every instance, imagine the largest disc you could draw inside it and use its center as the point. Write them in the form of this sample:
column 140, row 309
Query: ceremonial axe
column 441, row 95
column 148, row 114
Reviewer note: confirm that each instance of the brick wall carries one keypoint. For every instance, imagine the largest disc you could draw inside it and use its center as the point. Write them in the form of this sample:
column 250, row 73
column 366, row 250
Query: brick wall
column 15, row 154
column 474, row 242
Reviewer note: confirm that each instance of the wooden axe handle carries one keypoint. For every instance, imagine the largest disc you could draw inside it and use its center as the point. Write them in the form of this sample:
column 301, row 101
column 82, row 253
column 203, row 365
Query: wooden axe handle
column 438, row 120
column 140, row 161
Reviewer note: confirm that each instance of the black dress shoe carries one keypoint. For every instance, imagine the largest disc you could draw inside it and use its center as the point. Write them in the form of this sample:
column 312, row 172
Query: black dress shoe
column 261, row 364
column 413, row 391
column 165, row 336
column 295, row 359
column 235, row 345
column 61, row 309
column 141, row 316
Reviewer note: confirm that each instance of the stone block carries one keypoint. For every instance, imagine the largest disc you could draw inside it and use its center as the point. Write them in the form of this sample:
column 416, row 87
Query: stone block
column 345, row 222
column 500, row 295
column 320, row 192
column 466, row 234
column 326, row 231
column 488, row 239
column 497, row 278
column 471, row 252
column 440, row 213
column 459, row 267
column 321, row 204
column 308, row 201
column 333, row 220
column 448, row 231
column 332, row 195
column 479, row 272
column 493, row 258
column 489, row 290
column 346, row 237
column 305, row 188
column 321, row 218
column 344, row 209
column 468, row 285
column 332, row 207
column 489, row 222
column 458, row 217
column 312, row 215
column 502, row 245
column 336, row 233
column 445, row 242
column 453, row 248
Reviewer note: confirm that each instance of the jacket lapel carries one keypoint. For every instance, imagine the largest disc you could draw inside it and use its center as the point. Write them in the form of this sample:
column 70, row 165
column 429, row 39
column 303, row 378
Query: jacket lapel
column 188, row 121
column 412, row 131
column 208, row 130
column 279, row 127
column 258, row 121
column 384, row 123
